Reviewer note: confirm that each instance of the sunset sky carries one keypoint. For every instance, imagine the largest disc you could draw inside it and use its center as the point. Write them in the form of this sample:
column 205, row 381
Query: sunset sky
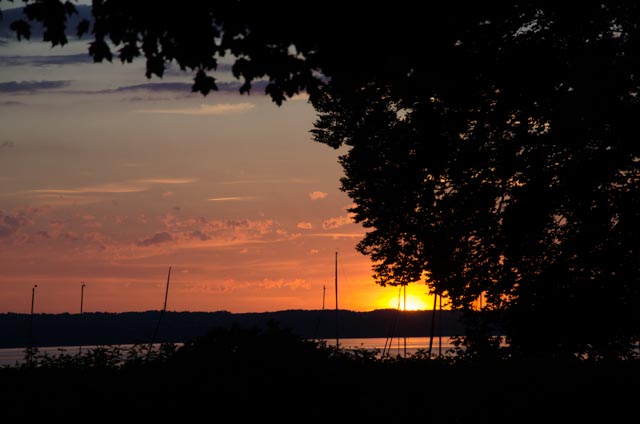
column 109, row 178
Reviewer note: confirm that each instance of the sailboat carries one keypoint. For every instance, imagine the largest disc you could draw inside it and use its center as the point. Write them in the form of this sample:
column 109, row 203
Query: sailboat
column 336, row 310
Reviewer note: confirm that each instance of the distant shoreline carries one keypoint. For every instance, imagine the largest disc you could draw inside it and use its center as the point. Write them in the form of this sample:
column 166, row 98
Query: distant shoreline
column 112, row 328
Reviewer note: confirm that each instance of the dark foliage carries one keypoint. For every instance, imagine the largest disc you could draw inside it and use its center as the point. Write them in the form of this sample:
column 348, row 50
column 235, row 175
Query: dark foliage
column 272, row 375
column 194, row 35
column 510, row 170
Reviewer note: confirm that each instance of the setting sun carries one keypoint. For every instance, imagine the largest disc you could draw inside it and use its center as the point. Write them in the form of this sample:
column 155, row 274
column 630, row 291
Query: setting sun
column 415, row 301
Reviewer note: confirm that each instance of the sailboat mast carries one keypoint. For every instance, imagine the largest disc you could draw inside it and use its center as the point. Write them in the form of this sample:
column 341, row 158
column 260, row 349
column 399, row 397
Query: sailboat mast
column 336, row 284
column 405, row 309
column 324, row 290
column 433, row 322
column 164, row 308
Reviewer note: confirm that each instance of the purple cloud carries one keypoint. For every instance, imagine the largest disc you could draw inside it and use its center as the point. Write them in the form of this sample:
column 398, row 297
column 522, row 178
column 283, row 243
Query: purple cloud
column 10, row 224
column 197, row 234
column 157, row 238
column 31, row 86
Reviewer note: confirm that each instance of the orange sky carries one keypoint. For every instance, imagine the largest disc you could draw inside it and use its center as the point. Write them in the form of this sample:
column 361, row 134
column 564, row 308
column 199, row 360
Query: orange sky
column 110, row 183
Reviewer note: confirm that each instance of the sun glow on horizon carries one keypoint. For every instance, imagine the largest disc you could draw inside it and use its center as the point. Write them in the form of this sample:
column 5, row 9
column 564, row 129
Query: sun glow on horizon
column 414, row 302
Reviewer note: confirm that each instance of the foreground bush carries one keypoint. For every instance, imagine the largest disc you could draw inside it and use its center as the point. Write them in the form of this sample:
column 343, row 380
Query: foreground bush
column 250, row 375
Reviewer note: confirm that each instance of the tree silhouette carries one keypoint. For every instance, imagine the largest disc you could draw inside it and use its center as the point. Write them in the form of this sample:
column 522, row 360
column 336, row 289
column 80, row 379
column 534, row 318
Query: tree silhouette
column 294, row 49
column 492, row 148
column 508, row 171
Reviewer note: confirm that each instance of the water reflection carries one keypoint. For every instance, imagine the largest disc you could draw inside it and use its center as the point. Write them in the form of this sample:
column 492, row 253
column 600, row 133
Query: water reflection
column 16, row 356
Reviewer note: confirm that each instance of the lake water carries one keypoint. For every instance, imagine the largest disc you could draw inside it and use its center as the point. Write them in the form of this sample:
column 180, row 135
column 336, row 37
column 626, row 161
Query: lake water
column 396, row 346
column 16, row 356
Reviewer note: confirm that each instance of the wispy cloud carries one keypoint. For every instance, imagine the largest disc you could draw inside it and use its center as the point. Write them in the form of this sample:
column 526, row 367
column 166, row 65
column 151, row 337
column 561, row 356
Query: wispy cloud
column 168, row 180
column 198, row 232
column 317, row 195
column 132, row 186
column 234, row 86
column 338, row 235
column 304, row 225
column 67, row 199
column 231, row 199
column 178, row 87
column 230, row 285
column 174, row 70
column 268, row 181
column 181, row 87
column 105, row 188
column 205, row 110
column 43, row 60
column 31, row 86
column 295, row 284
column 332, row 223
